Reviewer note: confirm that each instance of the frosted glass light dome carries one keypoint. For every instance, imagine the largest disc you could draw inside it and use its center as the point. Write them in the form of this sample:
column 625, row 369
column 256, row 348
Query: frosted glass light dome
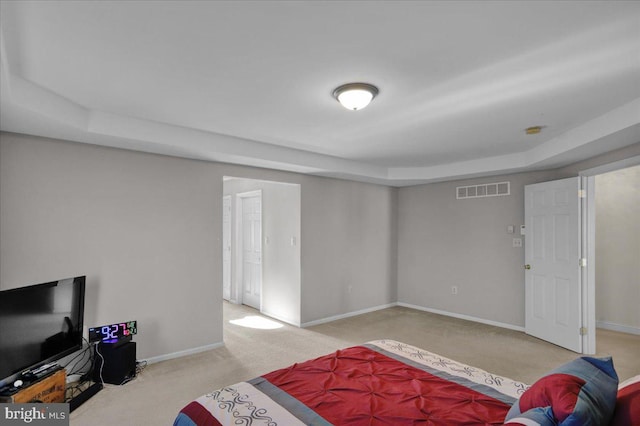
column 355, row 96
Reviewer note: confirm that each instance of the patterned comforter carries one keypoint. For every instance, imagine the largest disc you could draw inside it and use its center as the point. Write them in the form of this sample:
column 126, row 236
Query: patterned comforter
column 383, row 382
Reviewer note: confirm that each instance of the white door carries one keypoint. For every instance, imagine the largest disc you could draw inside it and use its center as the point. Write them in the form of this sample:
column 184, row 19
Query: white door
column 226, row 247
column 251, row 251
column 552, row 262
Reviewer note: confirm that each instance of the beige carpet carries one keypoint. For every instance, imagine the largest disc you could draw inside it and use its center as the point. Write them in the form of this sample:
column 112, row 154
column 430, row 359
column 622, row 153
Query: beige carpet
column 156, row 395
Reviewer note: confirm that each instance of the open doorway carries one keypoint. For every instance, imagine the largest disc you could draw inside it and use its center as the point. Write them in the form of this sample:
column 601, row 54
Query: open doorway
column 617, row 248
column 612, row 244
column 261, row 246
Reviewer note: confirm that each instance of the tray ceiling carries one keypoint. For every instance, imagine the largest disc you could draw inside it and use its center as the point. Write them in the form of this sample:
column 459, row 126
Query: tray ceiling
column 251, row 82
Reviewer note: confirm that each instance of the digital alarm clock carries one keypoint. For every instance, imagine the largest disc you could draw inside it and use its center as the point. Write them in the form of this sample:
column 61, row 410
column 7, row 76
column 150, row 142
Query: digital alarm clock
column 113, row 332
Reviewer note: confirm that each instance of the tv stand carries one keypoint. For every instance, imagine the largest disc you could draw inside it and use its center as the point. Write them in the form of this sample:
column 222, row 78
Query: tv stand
column 48, row 389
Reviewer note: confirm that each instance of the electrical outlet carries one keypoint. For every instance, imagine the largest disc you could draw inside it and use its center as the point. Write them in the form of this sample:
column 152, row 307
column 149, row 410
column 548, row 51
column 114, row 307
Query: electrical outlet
column 517, row 242
column 454, row 289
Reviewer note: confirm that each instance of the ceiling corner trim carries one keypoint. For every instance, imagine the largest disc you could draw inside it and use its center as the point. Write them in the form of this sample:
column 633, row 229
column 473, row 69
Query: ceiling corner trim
column 44, row 102
column 600, row 127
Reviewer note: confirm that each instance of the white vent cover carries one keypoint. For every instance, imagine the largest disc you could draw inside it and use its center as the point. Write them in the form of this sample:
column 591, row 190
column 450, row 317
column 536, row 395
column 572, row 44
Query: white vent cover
column 497, row 189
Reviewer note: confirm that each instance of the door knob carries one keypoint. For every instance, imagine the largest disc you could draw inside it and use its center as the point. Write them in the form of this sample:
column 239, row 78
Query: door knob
column 527, row 266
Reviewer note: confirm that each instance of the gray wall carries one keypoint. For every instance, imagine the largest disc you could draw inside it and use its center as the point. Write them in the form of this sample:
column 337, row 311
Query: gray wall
column 147, row 231
column 618, row 248
column 281, row 281
column 348, row 247
column 139, row 226
column 445, row 242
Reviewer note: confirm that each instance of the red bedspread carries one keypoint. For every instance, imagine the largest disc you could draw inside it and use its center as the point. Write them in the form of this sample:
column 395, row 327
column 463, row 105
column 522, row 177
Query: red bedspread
column 381, row 383
column 361, row 386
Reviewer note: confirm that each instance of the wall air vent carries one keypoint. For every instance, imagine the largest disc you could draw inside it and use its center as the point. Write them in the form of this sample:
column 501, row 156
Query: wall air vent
column 497, row 189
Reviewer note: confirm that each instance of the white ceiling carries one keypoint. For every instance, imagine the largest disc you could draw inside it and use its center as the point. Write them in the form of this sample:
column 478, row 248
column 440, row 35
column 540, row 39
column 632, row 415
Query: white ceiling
column 251, row 82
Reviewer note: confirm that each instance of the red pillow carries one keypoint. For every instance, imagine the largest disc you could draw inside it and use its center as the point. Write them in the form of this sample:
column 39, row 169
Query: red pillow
column 560, row 391
column 628, row 403
column 580, row 392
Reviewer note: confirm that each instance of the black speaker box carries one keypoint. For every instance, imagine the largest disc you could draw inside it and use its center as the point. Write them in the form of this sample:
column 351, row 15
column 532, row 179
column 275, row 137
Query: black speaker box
column 119, row 365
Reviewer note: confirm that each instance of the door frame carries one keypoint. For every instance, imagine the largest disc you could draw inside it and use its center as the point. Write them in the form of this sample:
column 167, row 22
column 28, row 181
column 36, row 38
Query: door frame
column 238, row 282
column 588, row 184
column 232, row 297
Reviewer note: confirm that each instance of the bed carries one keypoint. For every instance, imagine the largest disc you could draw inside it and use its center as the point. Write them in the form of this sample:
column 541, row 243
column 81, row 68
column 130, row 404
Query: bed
column 385, row 382
column 381, row 382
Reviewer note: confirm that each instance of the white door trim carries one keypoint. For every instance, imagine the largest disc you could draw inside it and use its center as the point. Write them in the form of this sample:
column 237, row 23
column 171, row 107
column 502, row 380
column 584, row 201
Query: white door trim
column 588, row 213
column 238, row 246
column 588, row 180
column 227, row 238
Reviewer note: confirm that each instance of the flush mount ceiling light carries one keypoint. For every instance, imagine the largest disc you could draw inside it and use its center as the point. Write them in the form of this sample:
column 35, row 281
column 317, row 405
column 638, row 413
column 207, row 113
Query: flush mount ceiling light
column 355, row 96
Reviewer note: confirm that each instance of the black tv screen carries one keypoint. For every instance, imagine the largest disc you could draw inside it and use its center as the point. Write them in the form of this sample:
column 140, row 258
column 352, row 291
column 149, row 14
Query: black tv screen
column 40, row 324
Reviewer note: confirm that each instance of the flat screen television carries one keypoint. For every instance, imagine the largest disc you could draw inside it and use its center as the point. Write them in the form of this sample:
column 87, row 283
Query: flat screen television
column 40, row 324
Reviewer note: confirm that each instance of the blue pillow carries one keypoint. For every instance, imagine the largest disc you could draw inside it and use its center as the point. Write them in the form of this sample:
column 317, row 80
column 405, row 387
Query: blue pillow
column 581, row 392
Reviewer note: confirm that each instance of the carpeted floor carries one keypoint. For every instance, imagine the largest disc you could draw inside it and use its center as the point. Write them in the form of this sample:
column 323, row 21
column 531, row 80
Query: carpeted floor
column 156, row 395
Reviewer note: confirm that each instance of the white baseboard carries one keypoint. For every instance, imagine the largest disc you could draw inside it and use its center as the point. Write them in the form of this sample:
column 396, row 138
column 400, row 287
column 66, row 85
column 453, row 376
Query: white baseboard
column 180, row 354
column 281, row 318
column 618, row 327
column 347, row 315
column 192, row 351
column 464, row 317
